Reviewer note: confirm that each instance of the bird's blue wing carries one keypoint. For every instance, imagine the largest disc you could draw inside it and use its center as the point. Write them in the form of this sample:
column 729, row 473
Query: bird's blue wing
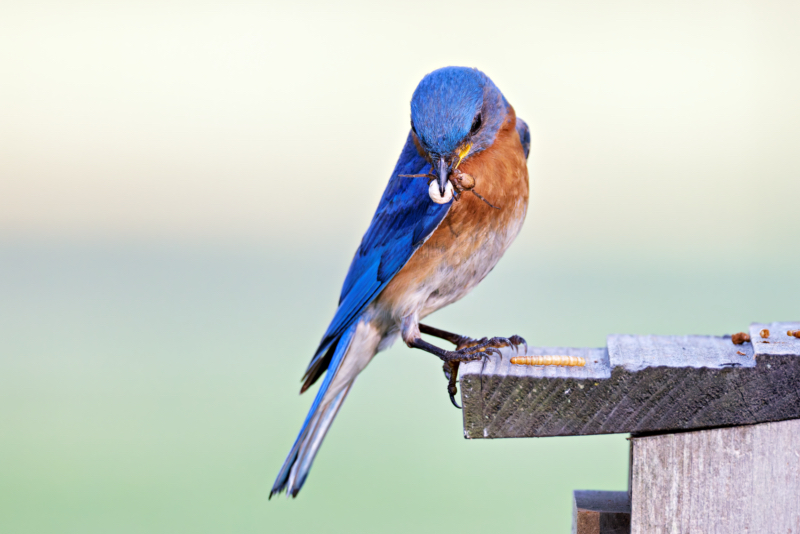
column 405, row 218
column 524, row 136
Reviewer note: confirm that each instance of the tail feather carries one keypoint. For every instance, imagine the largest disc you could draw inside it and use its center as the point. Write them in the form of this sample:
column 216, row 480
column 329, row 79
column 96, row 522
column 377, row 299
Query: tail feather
column 295, row 468
column 297, row 477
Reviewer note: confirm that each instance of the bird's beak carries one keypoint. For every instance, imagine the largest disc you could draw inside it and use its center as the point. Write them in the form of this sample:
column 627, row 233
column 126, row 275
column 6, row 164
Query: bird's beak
column 444, row 173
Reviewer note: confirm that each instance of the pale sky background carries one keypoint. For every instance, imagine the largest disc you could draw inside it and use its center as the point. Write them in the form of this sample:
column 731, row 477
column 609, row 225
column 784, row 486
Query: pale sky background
column 665, row 127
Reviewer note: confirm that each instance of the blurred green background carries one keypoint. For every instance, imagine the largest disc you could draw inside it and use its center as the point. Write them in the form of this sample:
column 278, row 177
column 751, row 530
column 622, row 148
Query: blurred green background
column 182, row 186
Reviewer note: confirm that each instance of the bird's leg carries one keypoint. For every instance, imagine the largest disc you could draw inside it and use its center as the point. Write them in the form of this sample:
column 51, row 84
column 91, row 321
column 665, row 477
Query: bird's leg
column 455, row 339
column 467, row 350
column 452, row 358
column 462, row 342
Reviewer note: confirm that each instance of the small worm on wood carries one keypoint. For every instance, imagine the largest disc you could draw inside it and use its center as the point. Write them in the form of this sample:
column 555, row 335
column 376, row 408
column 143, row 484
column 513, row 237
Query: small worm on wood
column 795, row 333
column 764, row 334
column 569, row 361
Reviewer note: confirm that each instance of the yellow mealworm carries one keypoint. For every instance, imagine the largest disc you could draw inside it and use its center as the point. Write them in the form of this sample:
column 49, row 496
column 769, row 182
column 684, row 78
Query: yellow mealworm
column 570, row 361
column 764, row 334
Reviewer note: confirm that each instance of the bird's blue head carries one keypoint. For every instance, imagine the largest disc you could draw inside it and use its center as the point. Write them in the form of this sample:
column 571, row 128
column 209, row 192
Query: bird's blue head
column 456, row 113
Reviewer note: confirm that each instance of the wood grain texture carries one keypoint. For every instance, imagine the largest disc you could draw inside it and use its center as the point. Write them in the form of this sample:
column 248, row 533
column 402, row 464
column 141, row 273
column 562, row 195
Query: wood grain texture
column 725, row 480
column 508, row 391
column 639, row 384
column 601, row 512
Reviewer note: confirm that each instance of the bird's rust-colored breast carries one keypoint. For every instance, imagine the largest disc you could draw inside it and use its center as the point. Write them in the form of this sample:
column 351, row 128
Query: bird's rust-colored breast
column 501, row 177
column 471, row 226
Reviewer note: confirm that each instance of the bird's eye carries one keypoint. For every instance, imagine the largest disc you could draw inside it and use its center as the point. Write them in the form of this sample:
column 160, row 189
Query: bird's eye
column 476, row 124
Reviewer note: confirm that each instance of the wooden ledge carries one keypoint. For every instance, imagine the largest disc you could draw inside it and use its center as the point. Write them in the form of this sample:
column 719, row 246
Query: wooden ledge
column 638, row 384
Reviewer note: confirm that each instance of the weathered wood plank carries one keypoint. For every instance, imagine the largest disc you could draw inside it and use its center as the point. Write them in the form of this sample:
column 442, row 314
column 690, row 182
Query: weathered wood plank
column 601, row 512
column 500, row 388
column 636, row 353
column 639, row 384
column 778, row 343
column 737, row 479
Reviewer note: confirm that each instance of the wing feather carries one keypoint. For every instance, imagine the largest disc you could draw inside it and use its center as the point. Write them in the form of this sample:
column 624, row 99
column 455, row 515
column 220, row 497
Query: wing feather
column 405, row 218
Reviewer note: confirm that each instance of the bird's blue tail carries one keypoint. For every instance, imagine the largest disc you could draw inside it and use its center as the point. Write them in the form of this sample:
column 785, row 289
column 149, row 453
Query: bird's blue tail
column 298, row 463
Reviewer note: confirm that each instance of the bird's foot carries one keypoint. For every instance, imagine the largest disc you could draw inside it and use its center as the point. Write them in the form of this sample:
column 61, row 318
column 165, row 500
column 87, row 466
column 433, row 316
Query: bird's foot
column 493, row 343
column 468, row 350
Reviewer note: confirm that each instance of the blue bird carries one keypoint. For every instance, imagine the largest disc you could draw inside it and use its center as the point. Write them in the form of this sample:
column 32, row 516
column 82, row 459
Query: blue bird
column 456, row 200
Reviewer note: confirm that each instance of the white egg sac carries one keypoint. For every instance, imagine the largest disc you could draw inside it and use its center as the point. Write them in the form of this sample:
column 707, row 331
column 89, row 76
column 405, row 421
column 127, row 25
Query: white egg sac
column 433, row 191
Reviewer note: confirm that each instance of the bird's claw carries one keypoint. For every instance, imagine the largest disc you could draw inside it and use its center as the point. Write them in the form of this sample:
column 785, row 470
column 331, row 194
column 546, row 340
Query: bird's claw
column 514, row 342
column 453, row 400
column 453, row 392
column 451, row 372
column 492, row 345
column 468, row 350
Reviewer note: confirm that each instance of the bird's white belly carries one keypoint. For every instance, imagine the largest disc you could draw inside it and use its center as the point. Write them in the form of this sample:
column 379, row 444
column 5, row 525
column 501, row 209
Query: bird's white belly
column 460, row 271
column 457, row 272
